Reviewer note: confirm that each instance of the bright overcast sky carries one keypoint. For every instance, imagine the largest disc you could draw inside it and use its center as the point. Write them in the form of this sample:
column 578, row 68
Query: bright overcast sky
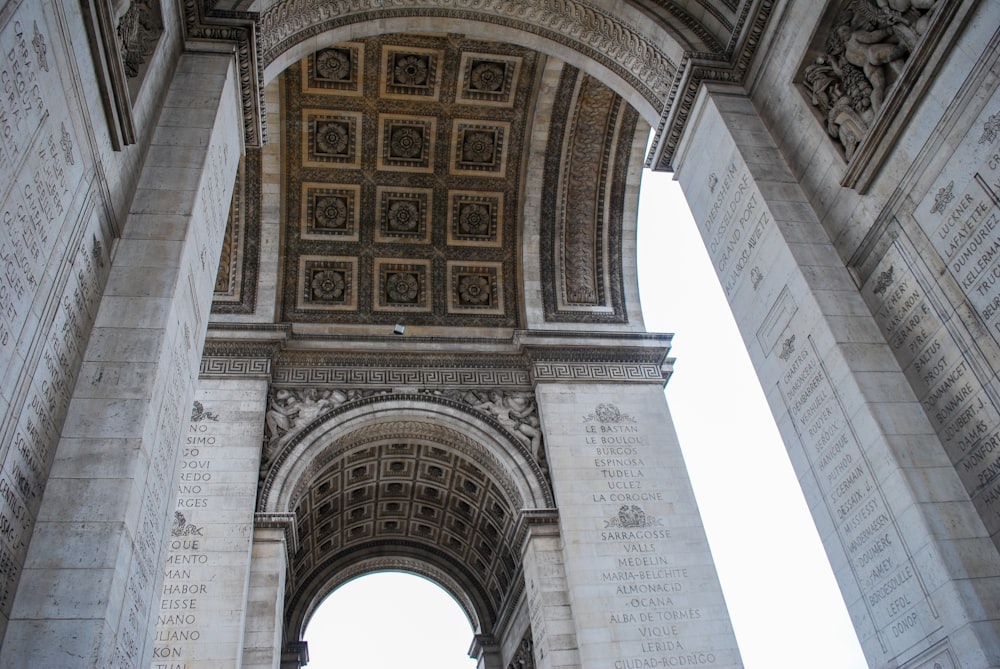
column 781, row 593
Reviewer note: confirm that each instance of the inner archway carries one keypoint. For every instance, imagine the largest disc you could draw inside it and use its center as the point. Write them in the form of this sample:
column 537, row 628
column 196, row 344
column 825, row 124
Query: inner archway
column 428, row 628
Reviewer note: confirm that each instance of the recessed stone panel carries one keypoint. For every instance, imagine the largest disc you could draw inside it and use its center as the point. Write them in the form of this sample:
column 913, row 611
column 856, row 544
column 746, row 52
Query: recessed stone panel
column 328, row 283
column 402, row 286
column 475, row 218
column 338, row 69
column 488, row 79
column 475, row 287
column 330, row 138
column 478, row 147
column 406, row 143
column 409, row 72
column 426, row 130
column 403, row 214
column 330, row 212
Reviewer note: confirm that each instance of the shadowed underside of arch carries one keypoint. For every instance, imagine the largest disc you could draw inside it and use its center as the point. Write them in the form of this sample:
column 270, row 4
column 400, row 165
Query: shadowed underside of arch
column 419, row 484
column 654, row 53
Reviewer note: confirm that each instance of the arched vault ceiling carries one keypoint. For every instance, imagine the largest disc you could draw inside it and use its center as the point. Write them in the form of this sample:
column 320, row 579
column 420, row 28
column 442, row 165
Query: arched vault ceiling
column 403, row 159
column 646, row 61
column 654, row 53
column 401, row 499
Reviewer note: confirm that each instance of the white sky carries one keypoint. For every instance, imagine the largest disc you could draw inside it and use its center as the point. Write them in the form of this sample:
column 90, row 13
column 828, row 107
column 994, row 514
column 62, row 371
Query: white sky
column 781, row 593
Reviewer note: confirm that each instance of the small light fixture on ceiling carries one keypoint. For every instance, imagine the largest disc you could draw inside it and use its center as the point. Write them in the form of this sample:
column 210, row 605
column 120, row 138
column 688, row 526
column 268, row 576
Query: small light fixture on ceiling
column 399, row 329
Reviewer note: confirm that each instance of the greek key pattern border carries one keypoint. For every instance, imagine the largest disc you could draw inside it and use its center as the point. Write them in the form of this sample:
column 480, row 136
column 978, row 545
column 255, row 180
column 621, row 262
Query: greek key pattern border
column 394, row 377
column 225, row 366
column 616, row 372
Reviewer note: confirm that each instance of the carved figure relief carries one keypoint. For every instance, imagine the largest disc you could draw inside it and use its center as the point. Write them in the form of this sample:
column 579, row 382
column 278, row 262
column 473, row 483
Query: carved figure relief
column 864, row 54
column 524, row 657
column 138, row 29
column 290, row 410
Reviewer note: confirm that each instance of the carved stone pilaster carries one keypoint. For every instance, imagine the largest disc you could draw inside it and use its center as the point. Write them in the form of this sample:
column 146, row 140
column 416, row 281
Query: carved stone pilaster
column 295, row 655
column 696, row 68
column 240, row 28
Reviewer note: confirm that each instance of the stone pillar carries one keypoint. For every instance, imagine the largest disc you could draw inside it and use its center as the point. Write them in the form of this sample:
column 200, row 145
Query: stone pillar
column 546, row 592
column 200, row 622
column 642, row 583
column 486, row 652
column 262, row 634
column 92, row 576
column 295, row 655
column 911, row 555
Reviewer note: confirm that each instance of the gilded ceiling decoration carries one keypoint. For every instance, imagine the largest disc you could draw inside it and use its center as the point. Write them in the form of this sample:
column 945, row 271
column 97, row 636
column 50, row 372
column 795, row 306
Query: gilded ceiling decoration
column 403, row 155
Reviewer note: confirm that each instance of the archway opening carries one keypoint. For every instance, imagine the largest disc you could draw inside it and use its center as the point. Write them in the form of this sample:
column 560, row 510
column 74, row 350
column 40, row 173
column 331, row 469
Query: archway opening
column 387, row 620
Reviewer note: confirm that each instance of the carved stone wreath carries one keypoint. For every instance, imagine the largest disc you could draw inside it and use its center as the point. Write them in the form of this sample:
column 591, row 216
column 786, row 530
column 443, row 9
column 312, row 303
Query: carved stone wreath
column 410, row 70
column 478, row 147
column 332, row 138
column 402, row 287
column 328, row 285
column 403, row 216
column 406, row 142
column 474, row 289
column 474, row 219
column 331, row 212
column 334, row 64
column 487, row 76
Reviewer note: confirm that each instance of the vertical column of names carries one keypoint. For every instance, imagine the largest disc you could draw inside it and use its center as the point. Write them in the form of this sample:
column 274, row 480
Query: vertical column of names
column 645, row 590
column 961, row 410
column 895, row 597
column 52, row 268
column 209, row 549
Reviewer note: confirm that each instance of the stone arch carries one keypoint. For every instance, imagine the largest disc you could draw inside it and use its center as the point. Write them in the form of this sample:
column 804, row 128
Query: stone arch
column 341, row 574
column 637, row 63
column 416, row 483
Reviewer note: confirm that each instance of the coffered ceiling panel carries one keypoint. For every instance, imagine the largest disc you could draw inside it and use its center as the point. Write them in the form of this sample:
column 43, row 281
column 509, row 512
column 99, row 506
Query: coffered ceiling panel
column 403, row 157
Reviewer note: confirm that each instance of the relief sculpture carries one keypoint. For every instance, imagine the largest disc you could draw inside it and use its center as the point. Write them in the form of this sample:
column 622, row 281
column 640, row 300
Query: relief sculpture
column 290, row 410
column 864, row 54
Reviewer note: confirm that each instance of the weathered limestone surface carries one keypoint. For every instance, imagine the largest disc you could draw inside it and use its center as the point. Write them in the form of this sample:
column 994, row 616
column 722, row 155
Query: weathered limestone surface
column 847, row 185
column 88, row 592
column 905, row 542
column 262, row 637
column 204, row 607
column 639, row 573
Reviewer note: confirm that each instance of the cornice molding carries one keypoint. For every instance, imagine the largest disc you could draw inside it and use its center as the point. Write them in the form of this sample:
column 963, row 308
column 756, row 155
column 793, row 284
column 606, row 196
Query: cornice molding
column 696, row 68
column 205, row 24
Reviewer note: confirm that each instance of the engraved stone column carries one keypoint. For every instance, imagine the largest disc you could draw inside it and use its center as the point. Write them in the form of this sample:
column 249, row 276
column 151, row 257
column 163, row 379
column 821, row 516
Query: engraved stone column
column 200, row 622
column 265, row 600
column 91, row 580
column 912, row 556
column 642, row 583
column 54, row 261
column 546, row 592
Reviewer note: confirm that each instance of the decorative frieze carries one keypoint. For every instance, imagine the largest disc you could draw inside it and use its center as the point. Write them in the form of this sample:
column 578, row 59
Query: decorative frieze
column 582, row 202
